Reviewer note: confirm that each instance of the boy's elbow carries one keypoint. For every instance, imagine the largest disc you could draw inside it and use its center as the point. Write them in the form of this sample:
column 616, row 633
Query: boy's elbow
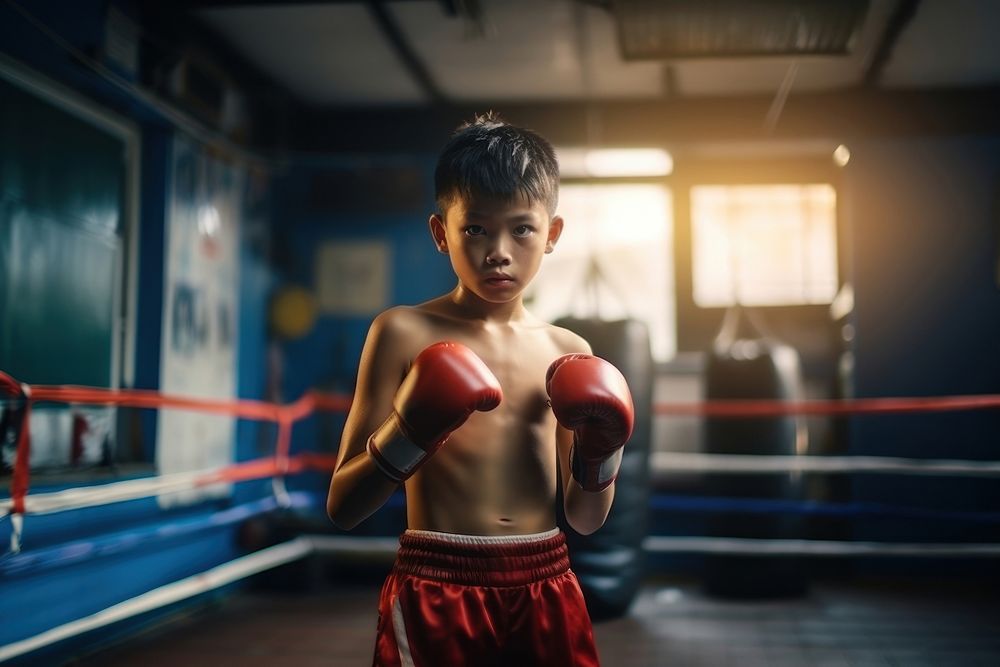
column 340, row 518
column 586, row 512
column 583, row 521
column 344, row 523
column 339, row 505
column 584, row 527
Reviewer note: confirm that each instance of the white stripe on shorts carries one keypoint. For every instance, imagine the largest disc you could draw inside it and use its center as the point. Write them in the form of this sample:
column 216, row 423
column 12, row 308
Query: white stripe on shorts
column 399, row 629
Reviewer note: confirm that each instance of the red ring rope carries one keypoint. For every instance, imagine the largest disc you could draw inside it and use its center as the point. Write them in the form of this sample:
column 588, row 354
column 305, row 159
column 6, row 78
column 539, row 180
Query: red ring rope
column 286, row 416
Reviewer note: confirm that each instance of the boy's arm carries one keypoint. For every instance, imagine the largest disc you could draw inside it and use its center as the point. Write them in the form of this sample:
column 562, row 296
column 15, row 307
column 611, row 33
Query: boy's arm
column 593, row 407
column 585, row 510
column 401, row 416
column 358, row 487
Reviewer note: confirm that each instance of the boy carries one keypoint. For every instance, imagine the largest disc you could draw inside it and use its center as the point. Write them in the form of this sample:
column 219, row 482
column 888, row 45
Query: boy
column 453, row 400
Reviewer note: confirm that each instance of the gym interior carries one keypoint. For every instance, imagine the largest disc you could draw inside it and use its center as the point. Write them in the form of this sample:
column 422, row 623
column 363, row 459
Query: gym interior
column 782, row 224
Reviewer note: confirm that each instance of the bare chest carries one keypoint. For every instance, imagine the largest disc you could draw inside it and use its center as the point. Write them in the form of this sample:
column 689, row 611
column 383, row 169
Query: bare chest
column 520, row 364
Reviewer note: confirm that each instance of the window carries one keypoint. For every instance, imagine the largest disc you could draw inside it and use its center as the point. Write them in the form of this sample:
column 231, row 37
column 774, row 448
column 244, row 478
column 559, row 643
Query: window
column 764, row 245
column 62, row 262
column 614, row 260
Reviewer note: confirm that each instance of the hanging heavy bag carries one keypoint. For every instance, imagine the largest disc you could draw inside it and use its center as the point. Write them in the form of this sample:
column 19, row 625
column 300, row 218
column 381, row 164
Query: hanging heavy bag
column 609, row 562
column 745, row 363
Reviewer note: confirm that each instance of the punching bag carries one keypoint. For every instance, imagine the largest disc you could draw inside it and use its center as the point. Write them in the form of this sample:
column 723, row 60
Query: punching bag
column 609, row 563
column 744, row 363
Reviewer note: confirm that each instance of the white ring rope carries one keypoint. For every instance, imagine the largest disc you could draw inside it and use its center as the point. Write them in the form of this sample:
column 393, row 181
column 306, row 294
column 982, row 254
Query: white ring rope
column 667, row 462
column 373, row 547
column 114, row 492
column 661, row 462
column 759, row 547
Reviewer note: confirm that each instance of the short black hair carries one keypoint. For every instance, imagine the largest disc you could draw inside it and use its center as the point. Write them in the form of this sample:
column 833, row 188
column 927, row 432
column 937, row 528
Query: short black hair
column 489, row 157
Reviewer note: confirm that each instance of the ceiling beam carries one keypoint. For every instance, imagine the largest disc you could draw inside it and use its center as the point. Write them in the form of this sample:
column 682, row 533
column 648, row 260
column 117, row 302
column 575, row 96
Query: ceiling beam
column 845, row 116
column 380, row 13
column 404, row 50
column 901, row 17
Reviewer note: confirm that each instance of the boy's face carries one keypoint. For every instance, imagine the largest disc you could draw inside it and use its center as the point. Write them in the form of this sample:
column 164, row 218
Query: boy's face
column 495, row 246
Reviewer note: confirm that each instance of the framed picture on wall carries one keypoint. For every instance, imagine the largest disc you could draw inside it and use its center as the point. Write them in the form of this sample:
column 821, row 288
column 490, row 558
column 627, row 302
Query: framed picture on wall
column 352, row 277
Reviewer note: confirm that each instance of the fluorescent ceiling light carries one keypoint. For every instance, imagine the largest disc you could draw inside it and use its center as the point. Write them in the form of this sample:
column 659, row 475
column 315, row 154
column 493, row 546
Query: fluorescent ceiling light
column 615, row 162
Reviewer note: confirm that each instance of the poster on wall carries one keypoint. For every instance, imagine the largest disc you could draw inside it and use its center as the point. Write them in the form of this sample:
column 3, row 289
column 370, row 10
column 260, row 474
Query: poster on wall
column 198, row 343
column 352, row 277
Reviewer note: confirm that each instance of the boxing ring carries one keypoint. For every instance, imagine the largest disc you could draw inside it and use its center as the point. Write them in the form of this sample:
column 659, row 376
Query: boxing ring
column 21, row 557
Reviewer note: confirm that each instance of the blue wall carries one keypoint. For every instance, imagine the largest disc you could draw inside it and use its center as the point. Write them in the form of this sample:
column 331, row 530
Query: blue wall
column 327, row 358
column 924, row 219
column 329, row 355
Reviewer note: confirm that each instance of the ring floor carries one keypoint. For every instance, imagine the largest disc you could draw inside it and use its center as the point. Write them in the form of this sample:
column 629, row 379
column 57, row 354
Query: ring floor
column 857, row 623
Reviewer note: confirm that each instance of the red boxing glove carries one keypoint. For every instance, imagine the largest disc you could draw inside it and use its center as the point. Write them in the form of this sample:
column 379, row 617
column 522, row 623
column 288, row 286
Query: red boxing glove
column 591, row 398
column 446, row 383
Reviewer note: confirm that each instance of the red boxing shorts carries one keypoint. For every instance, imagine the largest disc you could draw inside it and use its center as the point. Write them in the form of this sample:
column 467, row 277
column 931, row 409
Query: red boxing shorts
column 455, row 600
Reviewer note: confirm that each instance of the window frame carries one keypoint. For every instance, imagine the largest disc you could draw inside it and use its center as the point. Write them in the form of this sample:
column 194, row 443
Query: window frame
column 124, row 305
column 668, row 184
column 698, row 325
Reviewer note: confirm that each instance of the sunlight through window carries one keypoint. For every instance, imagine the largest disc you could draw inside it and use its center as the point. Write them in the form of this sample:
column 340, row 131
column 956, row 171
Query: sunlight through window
column 764, row 245
column 627, row 230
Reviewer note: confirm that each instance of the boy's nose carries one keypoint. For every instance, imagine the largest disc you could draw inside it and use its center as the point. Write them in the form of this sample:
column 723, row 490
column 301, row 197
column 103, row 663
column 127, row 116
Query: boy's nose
column 497, row 259
column 498, row 256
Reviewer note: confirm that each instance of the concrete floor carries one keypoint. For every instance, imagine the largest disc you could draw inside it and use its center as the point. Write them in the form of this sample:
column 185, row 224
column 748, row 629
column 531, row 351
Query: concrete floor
column 911, row 624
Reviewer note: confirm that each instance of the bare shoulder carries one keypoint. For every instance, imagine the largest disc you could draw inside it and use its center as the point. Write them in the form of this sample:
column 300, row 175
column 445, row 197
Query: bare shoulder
column 393, row 340
column 399, row 320
column 568, row 342
column 402, row 328
column 409, row 329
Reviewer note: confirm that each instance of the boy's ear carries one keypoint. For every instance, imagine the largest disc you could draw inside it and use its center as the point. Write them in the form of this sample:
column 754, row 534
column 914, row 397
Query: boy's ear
column 555, row 231
column 436, row 223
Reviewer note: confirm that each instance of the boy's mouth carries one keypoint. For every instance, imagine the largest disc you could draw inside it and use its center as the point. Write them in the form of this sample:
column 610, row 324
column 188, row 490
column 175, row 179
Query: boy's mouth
column 499, row 279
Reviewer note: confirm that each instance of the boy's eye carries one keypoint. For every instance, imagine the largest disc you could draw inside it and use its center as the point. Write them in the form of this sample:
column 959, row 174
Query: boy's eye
column 474, row 230
column 523, row 230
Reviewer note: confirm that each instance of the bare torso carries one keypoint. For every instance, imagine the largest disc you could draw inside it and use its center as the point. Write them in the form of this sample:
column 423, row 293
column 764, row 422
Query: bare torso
column 496, row 475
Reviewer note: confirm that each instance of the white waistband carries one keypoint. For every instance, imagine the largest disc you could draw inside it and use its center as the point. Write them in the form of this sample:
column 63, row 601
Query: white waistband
column 456, row 538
